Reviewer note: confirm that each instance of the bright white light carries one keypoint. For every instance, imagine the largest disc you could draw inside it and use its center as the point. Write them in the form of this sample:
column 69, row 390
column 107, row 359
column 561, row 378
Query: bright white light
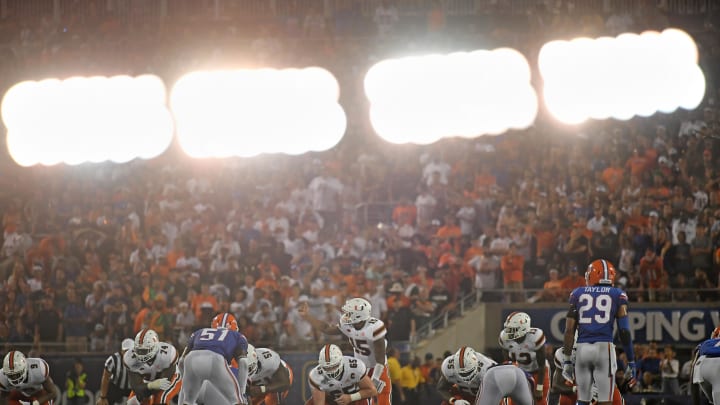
column 250, row 112
column 621, row 77
column 422, row 99
column 83, row 119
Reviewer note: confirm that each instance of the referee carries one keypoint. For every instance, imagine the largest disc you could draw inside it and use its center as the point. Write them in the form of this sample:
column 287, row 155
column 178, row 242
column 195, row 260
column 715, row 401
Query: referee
column 115, row 384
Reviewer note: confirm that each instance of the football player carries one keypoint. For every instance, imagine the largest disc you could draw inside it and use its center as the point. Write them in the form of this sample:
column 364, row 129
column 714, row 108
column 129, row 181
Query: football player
column 27, row 380
column 151, row 366
column 461, row 376
column 269, row 377
column 367, row 337
column 567, row 390
column 705, row 374
column 593, row 309
column 525, row 346
column 506, row 381
column 339, row 380
column 225, row 320
column 208, row 354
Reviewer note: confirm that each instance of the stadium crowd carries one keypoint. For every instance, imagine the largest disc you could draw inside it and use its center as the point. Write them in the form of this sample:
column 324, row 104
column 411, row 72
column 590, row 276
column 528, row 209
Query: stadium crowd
column 92, row 254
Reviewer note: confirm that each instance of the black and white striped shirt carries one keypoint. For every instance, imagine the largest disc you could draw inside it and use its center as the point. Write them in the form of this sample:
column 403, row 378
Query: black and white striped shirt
column 115, row 366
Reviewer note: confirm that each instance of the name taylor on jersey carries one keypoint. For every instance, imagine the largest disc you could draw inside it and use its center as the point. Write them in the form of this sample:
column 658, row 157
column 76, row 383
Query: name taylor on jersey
column 166, row 358
column 524, row 353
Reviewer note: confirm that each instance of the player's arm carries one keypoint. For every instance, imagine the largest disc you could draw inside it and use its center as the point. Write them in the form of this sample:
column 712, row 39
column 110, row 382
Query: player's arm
column 443, row 388
column 105, row 384
column 4, row 394
column 324, row 327
column 367, row 390
column 51, row 391
column 569, row 337
column 695, row 394
column 540, row 356
column 240, row 355
column 318, row 396
column 280, row 381
column 626, row 339
column 138, row 385
column 559, row 385
column 379, row 348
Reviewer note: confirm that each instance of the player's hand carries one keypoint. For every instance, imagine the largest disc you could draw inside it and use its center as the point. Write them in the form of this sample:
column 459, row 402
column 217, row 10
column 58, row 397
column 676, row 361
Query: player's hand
column 35, row 402
column 461, row 402
column 254, row 390
column 161, row 384
column 343, row 399
column 102, row 401
column 379, row 384
column 568, row 371
column 538, row 395
column 631, row 374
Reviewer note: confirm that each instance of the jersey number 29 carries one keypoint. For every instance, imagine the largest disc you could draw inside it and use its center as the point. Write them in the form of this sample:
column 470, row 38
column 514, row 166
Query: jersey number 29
column 594, row 308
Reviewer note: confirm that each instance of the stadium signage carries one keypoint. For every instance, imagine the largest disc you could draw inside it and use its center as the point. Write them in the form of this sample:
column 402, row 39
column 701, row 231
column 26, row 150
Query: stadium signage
column 678, row 326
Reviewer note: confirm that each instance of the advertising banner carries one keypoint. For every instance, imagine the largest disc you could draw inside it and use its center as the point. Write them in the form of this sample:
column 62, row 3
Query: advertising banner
column 681, row 326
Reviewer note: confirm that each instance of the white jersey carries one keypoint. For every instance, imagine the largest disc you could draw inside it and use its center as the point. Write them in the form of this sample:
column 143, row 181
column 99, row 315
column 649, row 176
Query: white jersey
column 347, row 383
column 268, row 363
column 524, row 354
column 470, row 388
column 166, row 358
column 363, row 340
column 37, row 372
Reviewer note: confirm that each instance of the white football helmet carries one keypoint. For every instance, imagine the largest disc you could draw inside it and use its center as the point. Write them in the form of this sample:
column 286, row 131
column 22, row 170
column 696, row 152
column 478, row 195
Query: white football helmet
column 354, row 311
column 15, row 367
column 147, row 345
column 517, row 325
column 252, row 359
column 467, row 363
column 331, row 361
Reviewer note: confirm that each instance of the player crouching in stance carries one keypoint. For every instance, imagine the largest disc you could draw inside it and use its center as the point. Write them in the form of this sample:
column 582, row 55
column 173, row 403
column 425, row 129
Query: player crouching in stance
column 151, row 370
column 462, row 375
column 506, row 381
column 207, row 365
column 27, row 380
column 525, row 347
column 705, row 375
column 269, row 377
column 592, row 311
column 340, row 380
column 367, row 337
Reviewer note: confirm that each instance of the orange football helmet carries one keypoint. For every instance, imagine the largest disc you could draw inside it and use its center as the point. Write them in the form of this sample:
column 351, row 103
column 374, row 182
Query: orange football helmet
column 225, row 320
column 600, row 271
column 715, row 333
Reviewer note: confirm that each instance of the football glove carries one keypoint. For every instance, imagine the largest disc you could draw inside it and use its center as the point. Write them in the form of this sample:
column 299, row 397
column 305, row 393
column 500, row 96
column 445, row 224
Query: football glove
column 161, row 384
column 631, row 374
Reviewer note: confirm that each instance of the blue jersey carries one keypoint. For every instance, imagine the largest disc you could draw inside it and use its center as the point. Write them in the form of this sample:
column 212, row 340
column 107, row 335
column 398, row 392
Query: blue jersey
column 597, row 309
column 709, row 348
column 225, row 342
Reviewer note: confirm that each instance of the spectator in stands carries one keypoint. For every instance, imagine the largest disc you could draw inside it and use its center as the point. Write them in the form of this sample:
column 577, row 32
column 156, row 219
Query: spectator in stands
column 400, row 323
column 75, row 383
column 651, row 273
column 48, row 326
column 75, row 319
column 513, row 269
column 649, row 370
column 669, row 371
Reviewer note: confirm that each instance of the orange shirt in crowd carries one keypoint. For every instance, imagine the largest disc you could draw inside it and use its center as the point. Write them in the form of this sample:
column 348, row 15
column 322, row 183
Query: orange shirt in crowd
column 449, row 231
column 199, row 299
column 404, row 214
column 512, row 267
column 613, row 177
